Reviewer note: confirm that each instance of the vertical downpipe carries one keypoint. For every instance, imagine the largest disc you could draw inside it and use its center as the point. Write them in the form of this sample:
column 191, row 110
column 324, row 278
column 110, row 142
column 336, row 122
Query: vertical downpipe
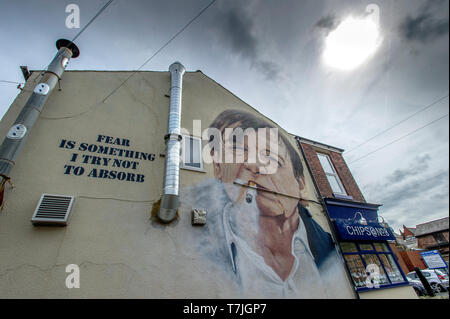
column 170, row 198
column 17, row 135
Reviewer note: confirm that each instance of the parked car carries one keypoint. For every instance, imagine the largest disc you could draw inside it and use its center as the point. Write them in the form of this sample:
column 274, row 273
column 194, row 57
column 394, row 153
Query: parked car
column 418, row 287
column 437, row 279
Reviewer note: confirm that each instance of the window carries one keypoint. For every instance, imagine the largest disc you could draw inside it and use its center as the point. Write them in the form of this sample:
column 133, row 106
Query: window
column 191, row 153
column 332, row 176
column 381, row 247
column 349, row 247
column 439, row 237
column 359, row 255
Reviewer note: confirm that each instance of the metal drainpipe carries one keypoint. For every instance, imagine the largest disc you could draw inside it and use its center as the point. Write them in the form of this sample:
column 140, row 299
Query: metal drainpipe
column 17, row 135
column 170, row 198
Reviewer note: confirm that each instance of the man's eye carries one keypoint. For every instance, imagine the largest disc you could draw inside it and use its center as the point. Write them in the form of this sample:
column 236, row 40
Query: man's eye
column 273, row 159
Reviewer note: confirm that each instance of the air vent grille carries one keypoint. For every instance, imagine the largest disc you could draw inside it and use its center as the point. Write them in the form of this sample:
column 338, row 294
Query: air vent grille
column 52, row 210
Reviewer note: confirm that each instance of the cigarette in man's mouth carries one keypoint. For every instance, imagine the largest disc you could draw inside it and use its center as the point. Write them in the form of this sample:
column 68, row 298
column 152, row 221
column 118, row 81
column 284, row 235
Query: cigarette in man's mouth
column 249, row 183
column 251, row 191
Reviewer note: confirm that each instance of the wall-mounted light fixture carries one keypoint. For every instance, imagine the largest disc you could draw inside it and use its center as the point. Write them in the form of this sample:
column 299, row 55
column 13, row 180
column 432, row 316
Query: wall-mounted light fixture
column 382, row 222
column 361, row 220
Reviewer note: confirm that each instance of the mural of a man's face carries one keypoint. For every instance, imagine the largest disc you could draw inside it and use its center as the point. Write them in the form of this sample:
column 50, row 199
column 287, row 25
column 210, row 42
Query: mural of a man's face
column 282, row 181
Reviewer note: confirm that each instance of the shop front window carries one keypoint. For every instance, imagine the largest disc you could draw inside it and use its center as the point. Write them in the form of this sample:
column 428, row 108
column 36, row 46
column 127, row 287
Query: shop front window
column 373, row 260
column 392, row 270
column 372, row 265
column 381, row 247
column 349, row 247
column 366, row 247
column 357, row 270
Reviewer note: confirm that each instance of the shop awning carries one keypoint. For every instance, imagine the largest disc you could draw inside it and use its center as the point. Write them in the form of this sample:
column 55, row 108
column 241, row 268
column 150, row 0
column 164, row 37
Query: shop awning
column 355, row 221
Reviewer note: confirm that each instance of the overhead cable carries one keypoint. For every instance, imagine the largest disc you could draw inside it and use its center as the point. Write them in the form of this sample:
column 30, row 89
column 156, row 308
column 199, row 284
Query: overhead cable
column 162, row 47
column 398, row 123
column 400, row 138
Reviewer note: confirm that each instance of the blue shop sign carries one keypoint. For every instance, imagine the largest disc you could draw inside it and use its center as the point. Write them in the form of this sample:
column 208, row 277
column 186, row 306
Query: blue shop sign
column 351, row 230
column 345, row 210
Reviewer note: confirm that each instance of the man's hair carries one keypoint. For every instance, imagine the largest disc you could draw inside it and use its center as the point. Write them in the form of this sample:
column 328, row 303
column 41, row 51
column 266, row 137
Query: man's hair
column 247, row 120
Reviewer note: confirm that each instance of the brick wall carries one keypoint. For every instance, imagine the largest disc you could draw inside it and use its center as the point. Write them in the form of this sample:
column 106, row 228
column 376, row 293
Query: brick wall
column 342, row 170
column 399, row 257
column 429, row 242
column 446, row 235
column 426, row 241
column 412, row 259
column 407, row 232
column 316, row 168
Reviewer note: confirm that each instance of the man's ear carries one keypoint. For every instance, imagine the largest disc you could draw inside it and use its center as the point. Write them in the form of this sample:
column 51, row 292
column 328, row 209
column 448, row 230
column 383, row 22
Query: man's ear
column 214, row 156
column 301, row 184
column 302, row 190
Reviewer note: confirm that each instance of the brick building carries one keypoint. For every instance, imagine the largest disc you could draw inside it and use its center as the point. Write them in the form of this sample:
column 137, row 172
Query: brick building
column 434, row 235
column 408, row 260
column 411, row 259
column 364, row 241
column 405, row 248
column 336, row 182
column 407, row 238
column 412, row 241
column 408, row 232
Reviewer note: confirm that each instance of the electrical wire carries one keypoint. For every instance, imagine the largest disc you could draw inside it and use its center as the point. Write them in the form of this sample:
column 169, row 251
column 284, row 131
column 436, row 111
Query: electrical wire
column 162, row 47
column 400, row 138
column 276, row 193
column 12, row 82
column 78, row 34
column 87, row 25
column 92, row 20
column 391, row 127
column 148, row 60
column 119, row 199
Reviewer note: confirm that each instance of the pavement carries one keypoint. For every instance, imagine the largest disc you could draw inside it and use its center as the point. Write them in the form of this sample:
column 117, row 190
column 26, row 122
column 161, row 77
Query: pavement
column 443, row 295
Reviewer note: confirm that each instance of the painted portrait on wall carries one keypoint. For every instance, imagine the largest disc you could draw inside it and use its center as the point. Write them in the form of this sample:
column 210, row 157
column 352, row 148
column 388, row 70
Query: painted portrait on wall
column 259, row 229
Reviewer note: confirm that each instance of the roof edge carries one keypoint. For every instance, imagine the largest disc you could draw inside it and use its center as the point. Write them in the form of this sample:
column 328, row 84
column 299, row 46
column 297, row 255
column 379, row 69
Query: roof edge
column 319, row 144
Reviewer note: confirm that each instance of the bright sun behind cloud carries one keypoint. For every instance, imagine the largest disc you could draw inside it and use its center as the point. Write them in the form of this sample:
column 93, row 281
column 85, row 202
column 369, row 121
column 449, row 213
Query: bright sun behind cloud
column 351, row 43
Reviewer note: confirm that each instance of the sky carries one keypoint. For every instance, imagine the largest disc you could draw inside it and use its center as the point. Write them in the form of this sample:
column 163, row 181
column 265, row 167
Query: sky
column 272, row 55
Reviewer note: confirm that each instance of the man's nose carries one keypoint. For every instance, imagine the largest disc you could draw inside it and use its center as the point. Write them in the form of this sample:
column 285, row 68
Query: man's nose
column 253, row 166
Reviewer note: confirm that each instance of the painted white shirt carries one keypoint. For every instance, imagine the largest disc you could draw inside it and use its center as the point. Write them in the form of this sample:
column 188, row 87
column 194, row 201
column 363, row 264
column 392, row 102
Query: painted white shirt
column 260, row 280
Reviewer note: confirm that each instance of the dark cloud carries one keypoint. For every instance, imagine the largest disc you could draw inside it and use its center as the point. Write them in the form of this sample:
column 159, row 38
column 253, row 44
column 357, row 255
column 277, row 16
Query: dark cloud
column 411, row 195
column 419, row 166
column 328, row 23
column 400, row 197
column 440, row 197
column 425, row 26
column 235, row 28
column 269, row 69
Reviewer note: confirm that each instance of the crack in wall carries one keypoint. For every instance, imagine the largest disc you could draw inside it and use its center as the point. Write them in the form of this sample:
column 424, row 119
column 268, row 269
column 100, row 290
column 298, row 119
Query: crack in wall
column 84, row 263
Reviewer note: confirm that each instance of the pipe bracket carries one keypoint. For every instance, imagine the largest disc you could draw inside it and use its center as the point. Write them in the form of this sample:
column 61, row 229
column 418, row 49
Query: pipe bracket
column 170, row 135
